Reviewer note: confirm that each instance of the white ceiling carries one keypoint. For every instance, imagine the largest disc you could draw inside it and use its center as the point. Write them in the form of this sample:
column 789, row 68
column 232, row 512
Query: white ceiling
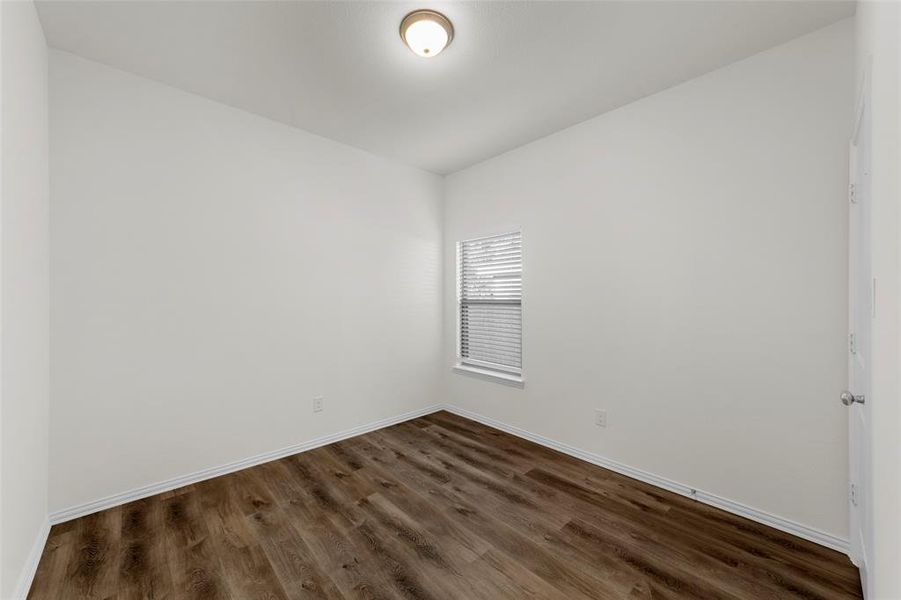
column 516, row 71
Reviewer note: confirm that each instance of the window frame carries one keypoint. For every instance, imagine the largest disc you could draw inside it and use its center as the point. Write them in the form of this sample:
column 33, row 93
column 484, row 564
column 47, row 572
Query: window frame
column 482, row 369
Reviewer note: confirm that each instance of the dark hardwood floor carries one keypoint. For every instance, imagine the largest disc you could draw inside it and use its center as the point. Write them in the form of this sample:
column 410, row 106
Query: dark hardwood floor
column 436, row 508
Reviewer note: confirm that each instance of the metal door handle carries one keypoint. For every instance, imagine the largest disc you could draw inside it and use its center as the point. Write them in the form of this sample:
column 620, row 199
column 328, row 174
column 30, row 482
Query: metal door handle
column 848, row 398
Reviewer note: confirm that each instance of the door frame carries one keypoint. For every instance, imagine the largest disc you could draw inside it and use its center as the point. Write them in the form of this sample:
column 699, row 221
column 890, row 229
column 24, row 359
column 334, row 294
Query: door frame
column 860, row 538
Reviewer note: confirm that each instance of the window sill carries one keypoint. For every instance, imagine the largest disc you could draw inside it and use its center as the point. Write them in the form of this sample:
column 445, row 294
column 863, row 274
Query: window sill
column 490, row 375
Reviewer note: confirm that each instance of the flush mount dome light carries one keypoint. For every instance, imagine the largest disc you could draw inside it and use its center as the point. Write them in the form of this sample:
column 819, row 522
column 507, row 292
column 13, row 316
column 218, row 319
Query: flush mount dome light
column 426, row 32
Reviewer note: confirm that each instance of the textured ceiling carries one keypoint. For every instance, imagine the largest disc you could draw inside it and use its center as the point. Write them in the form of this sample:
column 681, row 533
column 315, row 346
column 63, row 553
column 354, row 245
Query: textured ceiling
column 516, row 71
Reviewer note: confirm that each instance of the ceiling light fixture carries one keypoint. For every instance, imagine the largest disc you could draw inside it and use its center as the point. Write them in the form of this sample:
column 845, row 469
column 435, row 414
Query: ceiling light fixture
column 426, row 32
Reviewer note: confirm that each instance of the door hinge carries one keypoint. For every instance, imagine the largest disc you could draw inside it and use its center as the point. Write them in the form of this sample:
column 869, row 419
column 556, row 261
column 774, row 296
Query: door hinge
column 852, row 494
column 852, row 195
column 852, row 343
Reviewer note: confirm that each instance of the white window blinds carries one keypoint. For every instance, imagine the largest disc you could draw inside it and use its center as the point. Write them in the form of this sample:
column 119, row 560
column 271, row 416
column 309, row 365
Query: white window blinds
column 490, row 295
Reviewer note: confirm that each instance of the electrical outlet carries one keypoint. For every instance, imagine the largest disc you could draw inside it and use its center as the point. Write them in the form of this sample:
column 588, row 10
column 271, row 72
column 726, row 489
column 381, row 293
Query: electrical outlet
column 317, row 404
column 600, row 418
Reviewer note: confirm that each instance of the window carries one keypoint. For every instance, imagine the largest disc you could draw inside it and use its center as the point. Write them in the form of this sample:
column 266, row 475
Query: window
column 489, row 273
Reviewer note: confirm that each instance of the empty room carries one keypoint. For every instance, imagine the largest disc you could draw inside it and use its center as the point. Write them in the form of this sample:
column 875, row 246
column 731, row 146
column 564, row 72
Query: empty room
column 463, row 300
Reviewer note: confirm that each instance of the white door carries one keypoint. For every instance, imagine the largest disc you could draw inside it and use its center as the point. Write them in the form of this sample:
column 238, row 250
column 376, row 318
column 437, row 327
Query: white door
column 857, row 397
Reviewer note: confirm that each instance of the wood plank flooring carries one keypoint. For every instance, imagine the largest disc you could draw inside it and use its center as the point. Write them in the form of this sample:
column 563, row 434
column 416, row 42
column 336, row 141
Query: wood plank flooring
column 436, row 508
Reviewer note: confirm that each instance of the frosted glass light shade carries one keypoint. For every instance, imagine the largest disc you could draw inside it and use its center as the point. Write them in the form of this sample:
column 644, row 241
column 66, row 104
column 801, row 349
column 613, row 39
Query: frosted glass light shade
column 426, row 32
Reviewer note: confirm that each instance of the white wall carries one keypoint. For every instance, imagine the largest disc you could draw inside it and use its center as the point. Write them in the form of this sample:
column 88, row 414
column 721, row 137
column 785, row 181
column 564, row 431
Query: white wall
column 24, row 312
column 211, row 272
column 877, row 34
column 685, row 269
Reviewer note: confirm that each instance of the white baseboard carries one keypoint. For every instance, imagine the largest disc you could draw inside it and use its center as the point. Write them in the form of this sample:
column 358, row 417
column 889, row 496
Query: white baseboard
column 786, row 525
column 737, row 508
column 31, row 564
column 87, row 508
